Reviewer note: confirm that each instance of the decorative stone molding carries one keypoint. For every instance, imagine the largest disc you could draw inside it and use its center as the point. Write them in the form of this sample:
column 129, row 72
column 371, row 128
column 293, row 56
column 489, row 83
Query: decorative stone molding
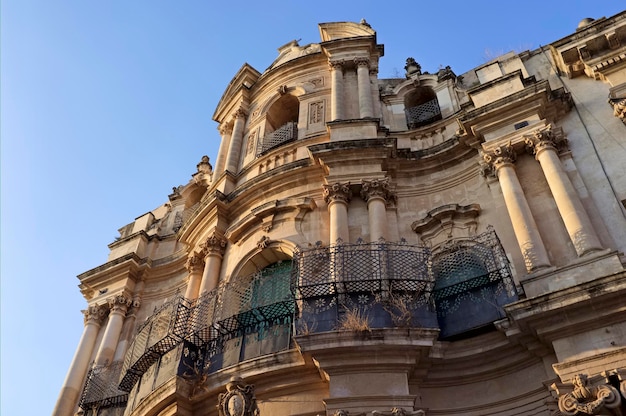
column 214, row 244
column 377, row 188
column 337, row 192
column 239, row 400
column 586, row 399
column 498, row 157
column 95, row 314
column 398, row 411
column 446, row 222
column 544, row 139
column 195, row 263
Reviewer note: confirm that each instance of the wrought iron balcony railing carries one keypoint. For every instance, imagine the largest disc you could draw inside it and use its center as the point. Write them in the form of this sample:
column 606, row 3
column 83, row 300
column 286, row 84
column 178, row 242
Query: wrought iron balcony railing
column 101, row 388
column 423, row 114
column 278, row 137
column 161, row 333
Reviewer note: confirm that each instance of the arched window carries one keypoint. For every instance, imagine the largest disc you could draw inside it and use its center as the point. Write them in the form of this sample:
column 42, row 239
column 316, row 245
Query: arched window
column 468, row 294
column 421, row 107
column 281, row 123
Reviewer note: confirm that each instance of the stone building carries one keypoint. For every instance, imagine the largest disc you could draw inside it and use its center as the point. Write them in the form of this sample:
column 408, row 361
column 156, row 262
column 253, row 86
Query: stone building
column 438, row 244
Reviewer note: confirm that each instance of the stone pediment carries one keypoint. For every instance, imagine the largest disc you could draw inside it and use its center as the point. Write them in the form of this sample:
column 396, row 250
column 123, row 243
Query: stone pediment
column 343, row 30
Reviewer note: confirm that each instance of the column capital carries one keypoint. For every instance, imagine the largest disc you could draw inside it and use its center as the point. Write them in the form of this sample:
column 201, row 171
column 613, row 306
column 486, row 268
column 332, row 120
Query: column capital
column 503, row 155
column 377, row 188
column 119, row 302
column 336, row 65
column 195, row 262
column 225, row 129
column 337, row 192
column 362, row 61
column 240, row 113
column 95, row 314
column 214, row 244
column 545, row 139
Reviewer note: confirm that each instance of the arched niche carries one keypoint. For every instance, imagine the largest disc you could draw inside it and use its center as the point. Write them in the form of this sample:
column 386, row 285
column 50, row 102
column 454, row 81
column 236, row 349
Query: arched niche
column 281, row 123
column 421, row 107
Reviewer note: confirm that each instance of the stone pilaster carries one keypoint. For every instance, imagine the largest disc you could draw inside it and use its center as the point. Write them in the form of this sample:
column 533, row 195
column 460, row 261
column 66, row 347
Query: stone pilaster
column 75, row 378
column 545, row 144
column 366, row 107
column 501, row 161
column 338, row 196
column 336, row 94
column 377, row 194
column 213, row 249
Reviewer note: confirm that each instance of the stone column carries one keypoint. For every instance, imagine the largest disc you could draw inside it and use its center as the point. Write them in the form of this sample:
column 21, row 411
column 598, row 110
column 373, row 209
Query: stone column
column 524, row 226
column 236, row 140
column 195, row 266
column 545, row 145
column 129, row 322
column 338, row 196
column 213, row 250
column 118, row 307
column 366, row 108
column 336, row 95
column 226, row 133
column 376, row 193
column 73, row 384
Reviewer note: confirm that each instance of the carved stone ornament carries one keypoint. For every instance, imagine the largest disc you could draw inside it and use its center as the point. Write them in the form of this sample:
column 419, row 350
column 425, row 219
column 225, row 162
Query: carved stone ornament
column 337, row 192
column 214, row 244
column 362, row 61
column 500, row 156
column 335, row 65
column 619, row 110
column 264, row 242
column 195, row 263
column 240, row 113
column 95, row 314
column 546, row 138
column 204, row 166
column 586, row 399
column 377, row 188
column 239, row 399
column 120, row 301
column 398, row 411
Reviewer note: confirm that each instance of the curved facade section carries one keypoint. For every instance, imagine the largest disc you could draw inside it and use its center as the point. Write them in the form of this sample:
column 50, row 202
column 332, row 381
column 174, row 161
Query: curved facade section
column 435, row 244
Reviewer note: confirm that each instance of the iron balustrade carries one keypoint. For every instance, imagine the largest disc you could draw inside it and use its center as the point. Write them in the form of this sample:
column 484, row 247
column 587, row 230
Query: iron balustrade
column 161, row 333
column 101, row 388
column 422, row 114
column 283, row 134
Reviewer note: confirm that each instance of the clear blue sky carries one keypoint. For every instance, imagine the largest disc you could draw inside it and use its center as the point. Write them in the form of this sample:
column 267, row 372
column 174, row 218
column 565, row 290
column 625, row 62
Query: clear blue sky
column 106, row 105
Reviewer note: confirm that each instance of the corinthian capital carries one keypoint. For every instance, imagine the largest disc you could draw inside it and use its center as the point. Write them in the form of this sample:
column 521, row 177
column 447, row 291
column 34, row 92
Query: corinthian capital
column 362, row 61
column 119, row 302
column 337, row 192
column 214, row 244
column 619, row 110
column 195, row 262
column 240, row 113
column 377, row 188
column 95, row 314
column 335, row 65
column 498, row 157
column 545, row 139
column 225, row 129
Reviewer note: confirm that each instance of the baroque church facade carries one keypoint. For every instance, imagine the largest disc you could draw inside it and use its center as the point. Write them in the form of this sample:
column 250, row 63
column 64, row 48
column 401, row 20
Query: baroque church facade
column 436, row 244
